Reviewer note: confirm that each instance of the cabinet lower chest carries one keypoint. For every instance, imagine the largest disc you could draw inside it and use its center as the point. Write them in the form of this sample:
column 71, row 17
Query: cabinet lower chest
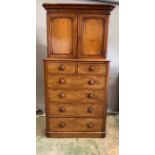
column 76, row 98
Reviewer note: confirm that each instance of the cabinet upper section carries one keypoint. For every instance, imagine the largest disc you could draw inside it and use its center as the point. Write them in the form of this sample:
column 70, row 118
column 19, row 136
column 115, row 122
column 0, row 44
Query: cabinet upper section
column 77, row 31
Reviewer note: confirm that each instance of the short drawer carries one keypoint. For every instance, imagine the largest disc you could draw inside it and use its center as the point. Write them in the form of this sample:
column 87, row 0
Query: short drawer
column 75, row 81
column 92, row 68
column 75, row 110
column 74, row 124
column 76, row 96
column 60, row 67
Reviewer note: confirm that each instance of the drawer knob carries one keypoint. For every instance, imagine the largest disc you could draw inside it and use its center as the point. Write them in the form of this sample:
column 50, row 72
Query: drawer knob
column 90, row 95
column 62, row 67
column 90, row 110
column 89, row 125
column 62, row 81
column 91, row 82
column 62, row 109
column 62, row 125
column 91, row 68
column 62, row 95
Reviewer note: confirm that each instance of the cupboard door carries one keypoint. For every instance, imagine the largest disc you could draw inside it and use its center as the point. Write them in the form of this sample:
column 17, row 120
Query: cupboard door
column 92, row 37
column 62, row 35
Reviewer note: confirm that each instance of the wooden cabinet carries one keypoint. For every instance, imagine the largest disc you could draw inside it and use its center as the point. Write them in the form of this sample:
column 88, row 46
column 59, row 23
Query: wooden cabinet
column 76, row 70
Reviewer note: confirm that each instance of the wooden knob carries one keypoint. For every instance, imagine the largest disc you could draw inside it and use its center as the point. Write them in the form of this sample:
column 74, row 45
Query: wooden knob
column 91, row 68
column 62, row 125
column 90, row 110
column 62, row 95
column 62, row 81
column 61, row 67
column 89, row 125
column 62, row 109
column 91, row 82
column 90, row 95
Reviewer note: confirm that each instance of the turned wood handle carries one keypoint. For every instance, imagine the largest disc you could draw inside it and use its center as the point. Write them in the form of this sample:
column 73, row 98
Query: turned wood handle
column 89, row 125
column 62, row 95
column 61, row 67
column 90, row 110
column 90, row 95
column 91, row 68
column 62, row 125
column 61, row 109
column 91, row 82
column 61, row 81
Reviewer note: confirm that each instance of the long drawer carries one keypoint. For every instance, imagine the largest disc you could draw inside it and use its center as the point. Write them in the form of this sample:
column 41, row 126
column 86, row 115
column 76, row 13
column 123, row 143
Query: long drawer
column 75, row 124
column 75, row 110
column 76, row 96
column 75, row 81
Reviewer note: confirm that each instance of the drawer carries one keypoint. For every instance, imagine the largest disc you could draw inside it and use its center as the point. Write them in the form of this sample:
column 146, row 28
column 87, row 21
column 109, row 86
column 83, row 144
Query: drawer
column 76, row 82
column 76, row 110
column 74, row 124
column 76, row 96
column 92, row 68
column 60, row 67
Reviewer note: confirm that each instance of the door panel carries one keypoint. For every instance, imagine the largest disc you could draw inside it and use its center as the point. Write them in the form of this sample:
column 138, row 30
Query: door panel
column 92, row 35
column 62, row 37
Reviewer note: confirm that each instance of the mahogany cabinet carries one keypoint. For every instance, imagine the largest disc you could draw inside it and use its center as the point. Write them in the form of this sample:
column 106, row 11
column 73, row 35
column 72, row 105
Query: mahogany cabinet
column 76, row 69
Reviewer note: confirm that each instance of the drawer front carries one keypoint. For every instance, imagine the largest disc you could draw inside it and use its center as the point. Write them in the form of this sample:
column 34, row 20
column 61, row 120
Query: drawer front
column 61, row 67
column 73, row 96
column 92, row 68
column 76, row 110
column 71, row 81
column 74, row 124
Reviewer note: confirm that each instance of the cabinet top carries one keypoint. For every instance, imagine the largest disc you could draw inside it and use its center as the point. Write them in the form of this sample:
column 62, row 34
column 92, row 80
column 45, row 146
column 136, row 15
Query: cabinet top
column 88, row 5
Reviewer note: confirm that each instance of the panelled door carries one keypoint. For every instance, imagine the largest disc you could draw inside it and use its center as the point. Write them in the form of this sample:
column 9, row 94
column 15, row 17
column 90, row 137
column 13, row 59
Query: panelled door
column 75, row 35
column 92, row 35
column 62, row 35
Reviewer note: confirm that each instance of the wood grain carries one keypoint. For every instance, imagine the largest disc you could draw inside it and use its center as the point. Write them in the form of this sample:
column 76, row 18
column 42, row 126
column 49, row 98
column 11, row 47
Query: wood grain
column 75, row 82
column 75, row 96
column 75, row 124
column 92, row 45
column 61, row 67
column 106, row 8
column 76, row 70
column 75, row 110
column 62, row 43
column 75, row 134
column 62, row 40
column 98, row 68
